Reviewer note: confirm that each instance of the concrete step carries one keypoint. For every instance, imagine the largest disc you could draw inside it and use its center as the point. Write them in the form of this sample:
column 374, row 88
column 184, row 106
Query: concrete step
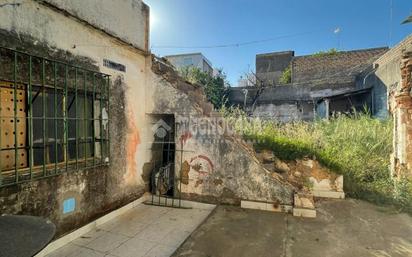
column 305, row 213
column 265, row 206
column 329, row 194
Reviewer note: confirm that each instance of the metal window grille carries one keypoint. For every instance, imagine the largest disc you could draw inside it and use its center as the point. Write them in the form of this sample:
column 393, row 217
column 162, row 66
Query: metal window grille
column 54, row 117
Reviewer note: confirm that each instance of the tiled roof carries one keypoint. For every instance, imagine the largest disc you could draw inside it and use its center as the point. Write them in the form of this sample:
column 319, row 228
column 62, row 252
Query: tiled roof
column 342, row 66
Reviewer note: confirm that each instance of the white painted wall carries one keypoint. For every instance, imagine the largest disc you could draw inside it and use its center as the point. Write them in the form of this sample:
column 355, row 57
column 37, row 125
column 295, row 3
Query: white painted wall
column 125, row 19
column 187, row 60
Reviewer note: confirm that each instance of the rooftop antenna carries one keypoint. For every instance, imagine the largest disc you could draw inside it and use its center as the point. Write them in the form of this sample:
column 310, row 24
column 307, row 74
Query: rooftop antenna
column 391, row 23
column 337, row 32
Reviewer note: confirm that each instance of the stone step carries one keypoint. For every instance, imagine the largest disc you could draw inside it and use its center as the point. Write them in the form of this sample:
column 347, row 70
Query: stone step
column 304, row 200
column 304, row 205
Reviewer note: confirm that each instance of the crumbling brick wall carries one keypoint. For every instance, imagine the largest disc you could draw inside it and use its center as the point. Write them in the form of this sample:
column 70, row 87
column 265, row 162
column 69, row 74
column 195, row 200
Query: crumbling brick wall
column 400, row 105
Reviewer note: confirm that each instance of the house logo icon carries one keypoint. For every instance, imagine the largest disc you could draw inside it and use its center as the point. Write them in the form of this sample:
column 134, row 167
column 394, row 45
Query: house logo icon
column 161, row 128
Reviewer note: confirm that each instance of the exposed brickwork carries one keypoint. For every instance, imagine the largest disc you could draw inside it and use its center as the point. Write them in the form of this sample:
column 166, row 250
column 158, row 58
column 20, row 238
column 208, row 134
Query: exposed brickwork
column 401, row 108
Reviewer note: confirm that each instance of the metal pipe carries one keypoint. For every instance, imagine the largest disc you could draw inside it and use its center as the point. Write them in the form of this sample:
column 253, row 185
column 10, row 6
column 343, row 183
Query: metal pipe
column 101, row 120
column 55, row 118
column 93, row 115
column 77, row 119
column 30, row 112
column 65, row 120
column 108, row 117
column 15, row 113
column 84, row 120
column 44, row 115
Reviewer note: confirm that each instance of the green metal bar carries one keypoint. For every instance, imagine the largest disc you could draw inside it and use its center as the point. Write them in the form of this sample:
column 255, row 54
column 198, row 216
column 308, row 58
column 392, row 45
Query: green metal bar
column 77, row 116
column 64, row 142
column 50, row 60
column 93, row 115
column 1, row 146
column 56, row 156
column 16, row 174
column 30, row 113
column 84, row 121
column 101, row 122
column 108, row 117
column 43, row 72
column 65, row 115
column 33, row 84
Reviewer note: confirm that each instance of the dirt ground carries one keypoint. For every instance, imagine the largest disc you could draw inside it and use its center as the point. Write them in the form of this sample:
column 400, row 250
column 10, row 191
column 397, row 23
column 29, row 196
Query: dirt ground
column 347, row 228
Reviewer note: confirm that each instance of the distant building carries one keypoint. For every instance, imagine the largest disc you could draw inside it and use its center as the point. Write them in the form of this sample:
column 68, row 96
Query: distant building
column 341, row 66
column 248, row 80
column 321, row 85
column 197, row 60
column 270, row 66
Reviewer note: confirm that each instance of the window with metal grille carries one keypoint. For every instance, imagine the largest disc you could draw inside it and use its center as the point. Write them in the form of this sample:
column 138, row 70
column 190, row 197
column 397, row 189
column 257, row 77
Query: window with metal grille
column 53, row 117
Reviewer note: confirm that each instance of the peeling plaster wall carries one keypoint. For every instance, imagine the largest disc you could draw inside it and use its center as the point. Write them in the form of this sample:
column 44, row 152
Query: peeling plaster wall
column 221, row 169
column 393, row 71
column 104, row 14
column 216, row 167
column 285, row 112
column 44, row 31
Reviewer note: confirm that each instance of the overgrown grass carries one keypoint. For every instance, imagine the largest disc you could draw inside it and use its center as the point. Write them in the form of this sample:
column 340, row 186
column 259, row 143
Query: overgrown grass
column 355, row 146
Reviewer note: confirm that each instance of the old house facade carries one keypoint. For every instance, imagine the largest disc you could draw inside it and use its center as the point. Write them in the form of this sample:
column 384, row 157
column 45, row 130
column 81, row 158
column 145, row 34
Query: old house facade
column 77, row 82
column 91, row 120
column 320, row 85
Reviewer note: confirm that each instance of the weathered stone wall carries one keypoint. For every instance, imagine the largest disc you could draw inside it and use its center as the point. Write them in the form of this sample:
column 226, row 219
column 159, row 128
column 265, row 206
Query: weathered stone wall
column 47, row 31
column 219, row 168
column 215, row 166
column 307, row 175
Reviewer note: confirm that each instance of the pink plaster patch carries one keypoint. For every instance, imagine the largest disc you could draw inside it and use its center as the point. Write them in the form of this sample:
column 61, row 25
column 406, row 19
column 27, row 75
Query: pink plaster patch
column 133, row 140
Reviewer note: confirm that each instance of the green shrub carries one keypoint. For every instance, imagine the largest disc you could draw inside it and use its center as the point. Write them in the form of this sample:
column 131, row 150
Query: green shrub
column 286, row 76
column 332, row 51
column 356, row 146
column 215, row 87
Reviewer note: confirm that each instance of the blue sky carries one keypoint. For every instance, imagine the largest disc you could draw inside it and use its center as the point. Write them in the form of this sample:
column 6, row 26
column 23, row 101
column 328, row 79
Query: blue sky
column 305, row 26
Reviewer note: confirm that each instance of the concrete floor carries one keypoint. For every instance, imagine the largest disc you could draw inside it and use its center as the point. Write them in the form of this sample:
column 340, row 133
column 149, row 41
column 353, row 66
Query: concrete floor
column 343, row 228
column 144, row 231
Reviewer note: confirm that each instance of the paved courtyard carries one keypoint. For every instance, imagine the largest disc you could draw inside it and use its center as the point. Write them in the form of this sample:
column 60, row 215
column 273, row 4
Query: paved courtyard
column 343, row 228
column 146, row 231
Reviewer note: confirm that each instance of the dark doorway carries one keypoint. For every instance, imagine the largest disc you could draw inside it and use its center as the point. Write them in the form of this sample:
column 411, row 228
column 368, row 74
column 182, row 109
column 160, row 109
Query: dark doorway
column 162, row 178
